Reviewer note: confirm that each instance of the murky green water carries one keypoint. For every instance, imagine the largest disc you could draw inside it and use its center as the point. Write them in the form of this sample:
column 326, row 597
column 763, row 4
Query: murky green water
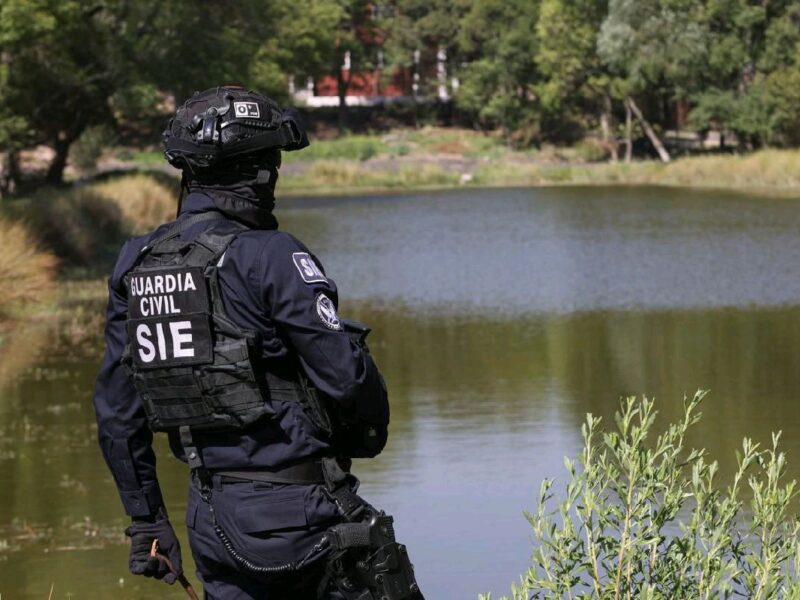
column 501, row 318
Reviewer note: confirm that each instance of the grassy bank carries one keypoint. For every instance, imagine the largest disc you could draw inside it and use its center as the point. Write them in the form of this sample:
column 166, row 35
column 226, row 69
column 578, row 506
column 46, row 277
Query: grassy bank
column 84, row 226
column 773, row 172
column 435, row 158
column 74, row 231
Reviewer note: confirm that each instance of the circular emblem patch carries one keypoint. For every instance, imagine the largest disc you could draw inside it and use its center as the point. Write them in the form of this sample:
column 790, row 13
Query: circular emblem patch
column 327, row 313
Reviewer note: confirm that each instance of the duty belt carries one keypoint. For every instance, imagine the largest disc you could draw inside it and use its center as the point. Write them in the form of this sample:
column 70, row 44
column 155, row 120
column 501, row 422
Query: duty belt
column 328, row 471
column 339, row 484
column 302, row 473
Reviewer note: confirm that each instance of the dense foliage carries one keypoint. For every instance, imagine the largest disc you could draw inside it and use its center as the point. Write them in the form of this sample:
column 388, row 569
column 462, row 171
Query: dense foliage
column 643, row 516
column 540, row 70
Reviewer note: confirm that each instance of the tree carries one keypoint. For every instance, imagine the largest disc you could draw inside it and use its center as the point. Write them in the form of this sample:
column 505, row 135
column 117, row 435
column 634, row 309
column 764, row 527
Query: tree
column 499, row 76
column 302, row 41
column 359, row 35
column 574, row 80
column 746, row 83
column 421, row 29
column 13, row 133
column 657, row 48
column 69, row 65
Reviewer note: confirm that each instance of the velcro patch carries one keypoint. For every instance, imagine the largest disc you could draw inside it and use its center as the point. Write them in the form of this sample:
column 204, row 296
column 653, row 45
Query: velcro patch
column 308, row 268
column 326, row 311
column 246, row 110
column 168, row 317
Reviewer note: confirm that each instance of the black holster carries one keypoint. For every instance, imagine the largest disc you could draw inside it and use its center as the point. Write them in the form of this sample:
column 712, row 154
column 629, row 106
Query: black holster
column 367, row 563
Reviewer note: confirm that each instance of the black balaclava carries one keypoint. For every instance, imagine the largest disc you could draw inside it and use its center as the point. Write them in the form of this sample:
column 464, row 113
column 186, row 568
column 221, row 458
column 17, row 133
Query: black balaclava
column 242, row 191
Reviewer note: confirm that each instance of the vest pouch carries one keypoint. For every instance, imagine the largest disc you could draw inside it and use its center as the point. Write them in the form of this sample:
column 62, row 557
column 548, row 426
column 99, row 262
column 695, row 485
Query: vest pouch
column 231, row 386
column 173, row 397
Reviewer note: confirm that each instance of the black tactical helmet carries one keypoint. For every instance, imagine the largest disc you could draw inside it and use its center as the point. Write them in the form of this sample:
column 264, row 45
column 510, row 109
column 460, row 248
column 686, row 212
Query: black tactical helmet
column 228, row 125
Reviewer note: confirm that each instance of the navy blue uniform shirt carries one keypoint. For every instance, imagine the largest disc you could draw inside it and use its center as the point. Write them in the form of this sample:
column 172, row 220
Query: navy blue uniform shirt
column 271, row 284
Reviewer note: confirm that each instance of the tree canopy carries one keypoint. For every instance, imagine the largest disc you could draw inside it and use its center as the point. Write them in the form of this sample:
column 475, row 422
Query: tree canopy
column 540, row 70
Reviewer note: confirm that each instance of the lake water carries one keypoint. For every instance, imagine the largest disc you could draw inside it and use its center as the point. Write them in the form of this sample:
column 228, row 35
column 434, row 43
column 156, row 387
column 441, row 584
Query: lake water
column 501, row 317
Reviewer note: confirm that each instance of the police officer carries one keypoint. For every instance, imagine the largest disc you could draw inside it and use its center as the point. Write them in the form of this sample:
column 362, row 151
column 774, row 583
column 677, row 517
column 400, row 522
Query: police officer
column 223, row 332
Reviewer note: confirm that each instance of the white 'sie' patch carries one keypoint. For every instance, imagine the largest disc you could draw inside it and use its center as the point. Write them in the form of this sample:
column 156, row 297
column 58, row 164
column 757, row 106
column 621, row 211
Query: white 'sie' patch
column 327, row 313
column 308, row 269
column 246, row 110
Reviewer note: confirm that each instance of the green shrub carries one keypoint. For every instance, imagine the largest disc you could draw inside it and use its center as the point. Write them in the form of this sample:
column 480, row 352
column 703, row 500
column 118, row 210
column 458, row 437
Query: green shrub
column 348, row 147
column 88, row 148
column 590, row 150
column 644, row 517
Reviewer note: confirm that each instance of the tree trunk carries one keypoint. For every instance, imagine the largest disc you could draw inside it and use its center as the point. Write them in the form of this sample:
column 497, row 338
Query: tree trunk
column 605, row 127
column 9, row 173
column 341, row 91
column 628, row 132
column 342, row 85
column 651, row 134
column 55, row 173
column 14, row 174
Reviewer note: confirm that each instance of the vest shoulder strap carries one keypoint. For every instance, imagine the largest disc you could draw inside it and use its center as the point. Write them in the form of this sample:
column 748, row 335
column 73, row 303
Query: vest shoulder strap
column 180, row 225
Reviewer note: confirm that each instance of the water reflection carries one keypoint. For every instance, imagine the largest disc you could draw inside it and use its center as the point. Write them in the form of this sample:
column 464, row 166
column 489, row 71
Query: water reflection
column 499, row 321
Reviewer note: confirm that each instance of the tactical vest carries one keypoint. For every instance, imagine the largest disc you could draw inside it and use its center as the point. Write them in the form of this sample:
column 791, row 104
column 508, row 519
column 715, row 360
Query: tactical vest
column 192, row 366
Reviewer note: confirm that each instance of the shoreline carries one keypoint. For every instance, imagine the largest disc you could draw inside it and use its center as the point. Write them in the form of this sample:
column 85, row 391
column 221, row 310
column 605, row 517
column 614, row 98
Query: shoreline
column 771, row 173
column 127, row 198
column 788, row 193
column 411, row 160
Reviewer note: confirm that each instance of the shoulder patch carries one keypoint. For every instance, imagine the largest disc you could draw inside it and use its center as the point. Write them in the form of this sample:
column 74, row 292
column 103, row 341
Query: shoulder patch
column 326, row 311
column 307, row 268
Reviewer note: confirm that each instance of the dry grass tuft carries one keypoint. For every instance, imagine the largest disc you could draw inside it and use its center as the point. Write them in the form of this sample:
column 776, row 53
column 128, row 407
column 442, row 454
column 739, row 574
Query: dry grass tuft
column 27, row 274
column 339, row 177
column 144, row 203
column 85, row 226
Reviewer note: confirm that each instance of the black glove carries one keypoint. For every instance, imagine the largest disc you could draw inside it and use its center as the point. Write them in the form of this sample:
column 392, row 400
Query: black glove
column 142, row 534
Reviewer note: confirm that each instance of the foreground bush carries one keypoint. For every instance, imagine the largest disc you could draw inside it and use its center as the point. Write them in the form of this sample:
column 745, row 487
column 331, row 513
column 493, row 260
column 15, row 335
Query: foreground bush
column 26, row 273
column 644, row 517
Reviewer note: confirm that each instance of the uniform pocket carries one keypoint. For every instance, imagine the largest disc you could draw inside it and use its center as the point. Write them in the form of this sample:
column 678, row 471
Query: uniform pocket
column 273, row 510
column 191, row 513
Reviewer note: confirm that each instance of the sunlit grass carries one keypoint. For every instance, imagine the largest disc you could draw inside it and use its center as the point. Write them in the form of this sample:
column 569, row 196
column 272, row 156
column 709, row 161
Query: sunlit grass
column 26, row 272
column 144, row 202
column 84, row 226
column 431, row 157
column 347, row 147
column 341, row 177
column 425, row 141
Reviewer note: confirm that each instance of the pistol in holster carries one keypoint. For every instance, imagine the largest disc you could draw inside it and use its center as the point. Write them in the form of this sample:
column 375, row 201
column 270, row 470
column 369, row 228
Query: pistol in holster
column 367, row 563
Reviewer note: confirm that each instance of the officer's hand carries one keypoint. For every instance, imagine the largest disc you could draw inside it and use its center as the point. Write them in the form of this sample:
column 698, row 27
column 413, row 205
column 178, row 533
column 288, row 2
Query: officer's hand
column 142, row 562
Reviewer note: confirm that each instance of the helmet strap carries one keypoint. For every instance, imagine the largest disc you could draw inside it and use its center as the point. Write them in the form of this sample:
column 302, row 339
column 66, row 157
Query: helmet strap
column 183, row 192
